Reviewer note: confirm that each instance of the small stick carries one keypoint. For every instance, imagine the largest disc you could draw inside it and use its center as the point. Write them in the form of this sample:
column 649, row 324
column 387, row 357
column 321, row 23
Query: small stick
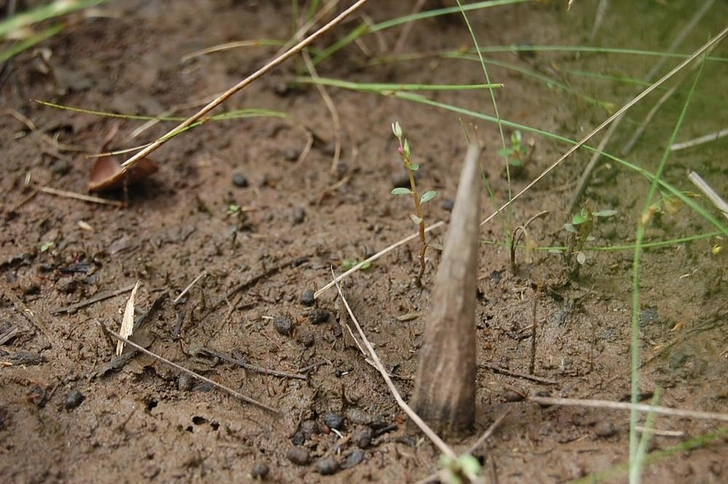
column 709, row 193
column 189, row 372
column 639, row 407
column 439, row 443
column 248, row 366
column 128, row 164
column 80, row 196
column 93, row 300
column 698, row 141
column 189, row 286
column 488, row 433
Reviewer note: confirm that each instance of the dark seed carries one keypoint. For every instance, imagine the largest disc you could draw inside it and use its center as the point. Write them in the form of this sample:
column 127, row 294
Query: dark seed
column 318, row 316
column 284, row 326
column 299, row 456
column 308, row 299
column 334, row 420
column 353, row 459
column 447, row 204
column 299, row 215
column 605, row 429
column 74, row 399
column 362, row 437
column 260, row 471
column 240, row 180
column 327, row 466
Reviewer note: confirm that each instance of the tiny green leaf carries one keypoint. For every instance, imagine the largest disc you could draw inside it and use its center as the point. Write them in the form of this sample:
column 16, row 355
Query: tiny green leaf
column 407, row 150
column 46, row 246
column 578, row 219
column 414, row 166
column 415, row 219
column 401, row 191
column 570, row 228
column 427, row 196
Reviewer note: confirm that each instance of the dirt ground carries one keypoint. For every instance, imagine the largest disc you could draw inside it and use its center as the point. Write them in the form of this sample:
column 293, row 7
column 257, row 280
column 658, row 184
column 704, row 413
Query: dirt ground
column 234, row 204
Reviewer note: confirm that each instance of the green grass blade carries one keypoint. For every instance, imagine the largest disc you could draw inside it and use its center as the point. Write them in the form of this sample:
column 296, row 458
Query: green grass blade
column 52, row 10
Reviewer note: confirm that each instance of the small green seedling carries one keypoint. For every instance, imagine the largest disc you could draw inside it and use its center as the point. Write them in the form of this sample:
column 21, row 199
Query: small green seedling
column 417, row 217
column 461, row 470
column 347, row 264
column 518, row 154
column 580, row 229
column 47, row 246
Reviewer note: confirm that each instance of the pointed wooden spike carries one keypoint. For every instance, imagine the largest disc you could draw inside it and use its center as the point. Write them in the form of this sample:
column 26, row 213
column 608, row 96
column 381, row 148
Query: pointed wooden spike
column 444, row 394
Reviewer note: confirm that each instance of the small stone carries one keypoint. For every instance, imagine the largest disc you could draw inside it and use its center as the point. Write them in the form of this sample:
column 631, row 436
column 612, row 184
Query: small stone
column 298, row 438
column 334, row 420
column 318, row 316
column 604, row 429
column 299, row 215
column 307, row 298
column 327, row 466
column 309, row 428
column 353, row 459
column 185, row 382
column 362, row 437
column 306, row 338
column 299, row 456
column 284, row 326
column 260, row 471
column 74, row 399
column 291, row 154
column 240, row 180
column 60, row 167
column 448, row 204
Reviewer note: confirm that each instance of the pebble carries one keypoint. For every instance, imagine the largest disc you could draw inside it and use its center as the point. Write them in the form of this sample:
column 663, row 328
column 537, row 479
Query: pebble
column 283, row 325
column 605, row 429
column 318, row 316
column 298, row 438
column 307, row 298
column 353, row 459
column 305, row 337
column 74, row 399
column 362, row 437
column 334, row 420
column 448, row 204
column 299, row 456
column 309, row 428
column 60, row 167
column 185, row 382
column 327, row 466
column 291, row 154
column 240, row 180
column 299, row 215
column 260, row 471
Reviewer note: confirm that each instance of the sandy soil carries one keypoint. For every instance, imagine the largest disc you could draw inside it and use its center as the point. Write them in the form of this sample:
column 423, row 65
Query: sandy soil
column 235, row 203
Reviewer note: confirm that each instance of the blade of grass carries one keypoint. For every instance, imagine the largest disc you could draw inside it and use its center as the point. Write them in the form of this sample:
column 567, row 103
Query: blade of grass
column 635, row 463
column 55, row 9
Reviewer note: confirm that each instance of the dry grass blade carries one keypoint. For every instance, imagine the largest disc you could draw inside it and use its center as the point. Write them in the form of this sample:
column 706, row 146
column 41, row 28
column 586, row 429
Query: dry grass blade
column 131, row 162
column 127, row 322
column 434, row 438
column 709, row 193
column 79, row 196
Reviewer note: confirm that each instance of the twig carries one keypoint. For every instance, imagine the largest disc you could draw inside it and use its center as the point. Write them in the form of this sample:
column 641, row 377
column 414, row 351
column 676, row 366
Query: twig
column 622, row 110
column 709, row 193
column 488, row 433
column 93, row 300
column 376, row 256
column 248, row 366
column 439, row 443
column 189, row 372
column 698, row 141
column 79, row 196
column 128, row 164
column 503, row 371
column 189, row 286
column 639, row 407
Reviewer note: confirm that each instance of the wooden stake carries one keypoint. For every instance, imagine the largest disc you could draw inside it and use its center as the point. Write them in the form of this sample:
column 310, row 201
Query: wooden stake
column 444, row 394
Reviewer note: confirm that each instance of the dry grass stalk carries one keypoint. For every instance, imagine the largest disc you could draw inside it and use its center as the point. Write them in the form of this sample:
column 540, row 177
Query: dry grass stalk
column 444, row 394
